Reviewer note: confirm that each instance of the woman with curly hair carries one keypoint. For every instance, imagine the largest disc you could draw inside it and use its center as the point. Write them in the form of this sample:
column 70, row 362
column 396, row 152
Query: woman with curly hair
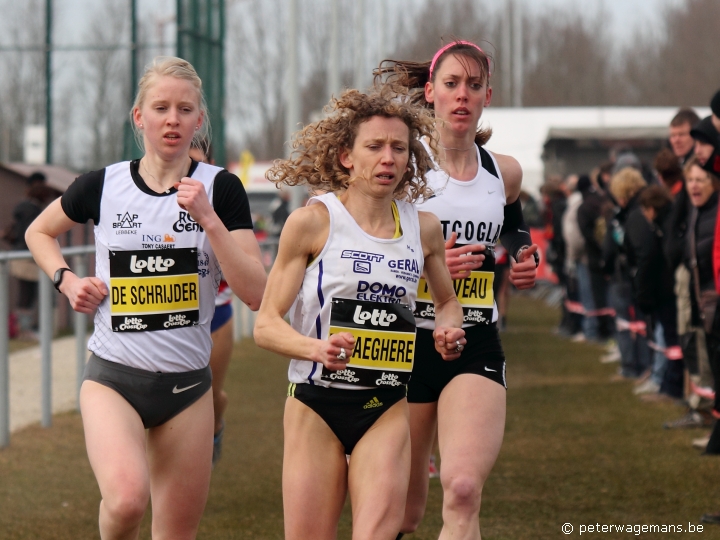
column 347, row 271
column 477, row 201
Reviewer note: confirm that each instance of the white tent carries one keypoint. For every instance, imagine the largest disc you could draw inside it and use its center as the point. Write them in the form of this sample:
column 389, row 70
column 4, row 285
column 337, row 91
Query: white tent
column 522, row 132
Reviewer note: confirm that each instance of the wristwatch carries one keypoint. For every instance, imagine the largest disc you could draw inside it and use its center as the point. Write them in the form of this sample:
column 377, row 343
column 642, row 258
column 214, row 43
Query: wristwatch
column 57, row 279
column 535, row 255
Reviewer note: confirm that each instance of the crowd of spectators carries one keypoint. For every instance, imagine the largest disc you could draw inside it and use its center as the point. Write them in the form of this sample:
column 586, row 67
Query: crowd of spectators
column 636, row 248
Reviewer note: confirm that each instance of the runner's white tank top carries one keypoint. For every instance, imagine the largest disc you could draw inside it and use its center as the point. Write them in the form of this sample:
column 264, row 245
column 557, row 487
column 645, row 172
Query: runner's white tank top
column 475, row 210
column 161, row 274
column 367, row 272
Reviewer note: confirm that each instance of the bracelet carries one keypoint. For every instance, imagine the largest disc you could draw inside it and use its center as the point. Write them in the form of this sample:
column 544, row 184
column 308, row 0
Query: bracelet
column 535, row 255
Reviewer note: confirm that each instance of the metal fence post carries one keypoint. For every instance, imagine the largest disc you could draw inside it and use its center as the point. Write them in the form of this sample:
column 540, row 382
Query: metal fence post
column 4, row 356
column 46, row 335
column 80, row 324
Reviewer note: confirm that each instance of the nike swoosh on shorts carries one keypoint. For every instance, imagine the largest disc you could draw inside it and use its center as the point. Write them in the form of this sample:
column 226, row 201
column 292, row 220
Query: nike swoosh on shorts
column 488, row 369
column 177, row 390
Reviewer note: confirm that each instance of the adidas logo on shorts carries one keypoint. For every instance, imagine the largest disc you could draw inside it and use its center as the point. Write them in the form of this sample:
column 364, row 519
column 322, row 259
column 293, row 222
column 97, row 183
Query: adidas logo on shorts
column 374, row 402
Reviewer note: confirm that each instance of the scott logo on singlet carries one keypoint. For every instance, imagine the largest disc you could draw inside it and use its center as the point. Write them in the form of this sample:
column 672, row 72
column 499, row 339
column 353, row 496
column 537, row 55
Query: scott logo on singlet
column 361, row 260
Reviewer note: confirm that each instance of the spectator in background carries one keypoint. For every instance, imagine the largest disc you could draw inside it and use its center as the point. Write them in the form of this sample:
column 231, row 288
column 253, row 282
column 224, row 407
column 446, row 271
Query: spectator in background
column 555, row 192
column 706, row 139
column 625, row 187
column 26, row 271
column 530, row 209
column 702, row 189
column 691, row 337
column 652, row 285
column 681, row 142
column 279, row 211
column 574, row 246
column 603, row 177
column 670, row 171
column 589, row 269
column 715, row 108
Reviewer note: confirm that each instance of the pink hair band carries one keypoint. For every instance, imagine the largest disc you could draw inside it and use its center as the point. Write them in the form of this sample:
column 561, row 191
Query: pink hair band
column 445, row 48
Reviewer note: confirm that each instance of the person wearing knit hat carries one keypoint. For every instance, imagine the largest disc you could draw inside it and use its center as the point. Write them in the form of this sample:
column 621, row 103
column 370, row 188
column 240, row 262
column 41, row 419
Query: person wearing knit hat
column 707, row 143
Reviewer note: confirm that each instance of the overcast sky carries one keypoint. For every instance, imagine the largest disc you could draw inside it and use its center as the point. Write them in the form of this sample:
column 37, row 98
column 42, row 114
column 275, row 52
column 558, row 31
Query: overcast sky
column 626, row 16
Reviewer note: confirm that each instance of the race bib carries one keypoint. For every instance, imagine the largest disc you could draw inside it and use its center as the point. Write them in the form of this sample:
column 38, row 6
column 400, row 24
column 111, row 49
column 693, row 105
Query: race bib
column 384, row 342
column 154, row 289
column 475, row 294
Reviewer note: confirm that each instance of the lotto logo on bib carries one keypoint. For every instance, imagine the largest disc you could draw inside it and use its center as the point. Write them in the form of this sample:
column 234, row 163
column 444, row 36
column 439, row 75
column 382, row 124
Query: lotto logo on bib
column 154, row 289
column 384, row 342
column 475, row 294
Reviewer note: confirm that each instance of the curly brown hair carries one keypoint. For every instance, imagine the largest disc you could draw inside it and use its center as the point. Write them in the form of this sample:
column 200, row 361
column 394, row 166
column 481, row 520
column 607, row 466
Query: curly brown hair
column 414, row 75
column 315, row 160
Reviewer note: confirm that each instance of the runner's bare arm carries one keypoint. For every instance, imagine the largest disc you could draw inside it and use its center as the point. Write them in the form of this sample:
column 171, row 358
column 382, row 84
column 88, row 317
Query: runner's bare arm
column 448, row 312
column 512, row 174
column 84, row 294
column 302, row 239
column 237, row 251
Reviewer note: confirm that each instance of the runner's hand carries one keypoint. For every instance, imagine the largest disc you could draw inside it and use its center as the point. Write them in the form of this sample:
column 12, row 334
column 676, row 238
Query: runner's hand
column 329, row 350
column 461, row 260
column 84, row 294
column 191, row 196
column 446, row 342
column 523, row 272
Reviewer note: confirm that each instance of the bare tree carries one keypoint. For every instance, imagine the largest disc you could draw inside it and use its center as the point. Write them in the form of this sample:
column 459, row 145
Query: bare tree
column 568, row 60
column 679, row 65
column 440, row 22
column 22, row 73
column 105, row 73
column 256, row 68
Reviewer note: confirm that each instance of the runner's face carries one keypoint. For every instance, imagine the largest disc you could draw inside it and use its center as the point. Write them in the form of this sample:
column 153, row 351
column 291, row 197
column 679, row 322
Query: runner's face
column 458, row 93
column 380, row 154
column 699, row 186
column 170, row 115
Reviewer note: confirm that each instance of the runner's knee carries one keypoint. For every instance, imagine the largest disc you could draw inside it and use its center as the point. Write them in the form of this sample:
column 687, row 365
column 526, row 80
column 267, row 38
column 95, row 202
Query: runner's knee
column 128, row 506
column 462, row 493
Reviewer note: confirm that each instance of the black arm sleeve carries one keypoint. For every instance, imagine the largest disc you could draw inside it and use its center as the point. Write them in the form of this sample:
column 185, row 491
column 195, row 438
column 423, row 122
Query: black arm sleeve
column 514, row 234
column 231, row 202
column 81, row 201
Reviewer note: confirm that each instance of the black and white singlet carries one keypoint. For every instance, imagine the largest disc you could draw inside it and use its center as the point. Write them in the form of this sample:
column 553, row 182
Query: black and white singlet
column 366, row 286
column 473, row 209
column 157, row 263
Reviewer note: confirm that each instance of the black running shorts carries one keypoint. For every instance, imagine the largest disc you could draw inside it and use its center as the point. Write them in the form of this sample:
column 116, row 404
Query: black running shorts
column 157, row 397
column 483, row 355
column 348, row 413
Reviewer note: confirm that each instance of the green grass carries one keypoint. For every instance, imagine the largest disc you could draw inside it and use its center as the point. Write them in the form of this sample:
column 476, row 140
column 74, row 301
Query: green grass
column 578, row 449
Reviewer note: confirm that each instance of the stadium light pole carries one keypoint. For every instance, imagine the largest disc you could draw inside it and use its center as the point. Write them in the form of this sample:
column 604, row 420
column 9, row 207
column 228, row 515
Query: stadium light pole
column 506, row 54
column 517, row 54
column 333, row 87
column 292, row 95
column 48, row 80
column 359, row 51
